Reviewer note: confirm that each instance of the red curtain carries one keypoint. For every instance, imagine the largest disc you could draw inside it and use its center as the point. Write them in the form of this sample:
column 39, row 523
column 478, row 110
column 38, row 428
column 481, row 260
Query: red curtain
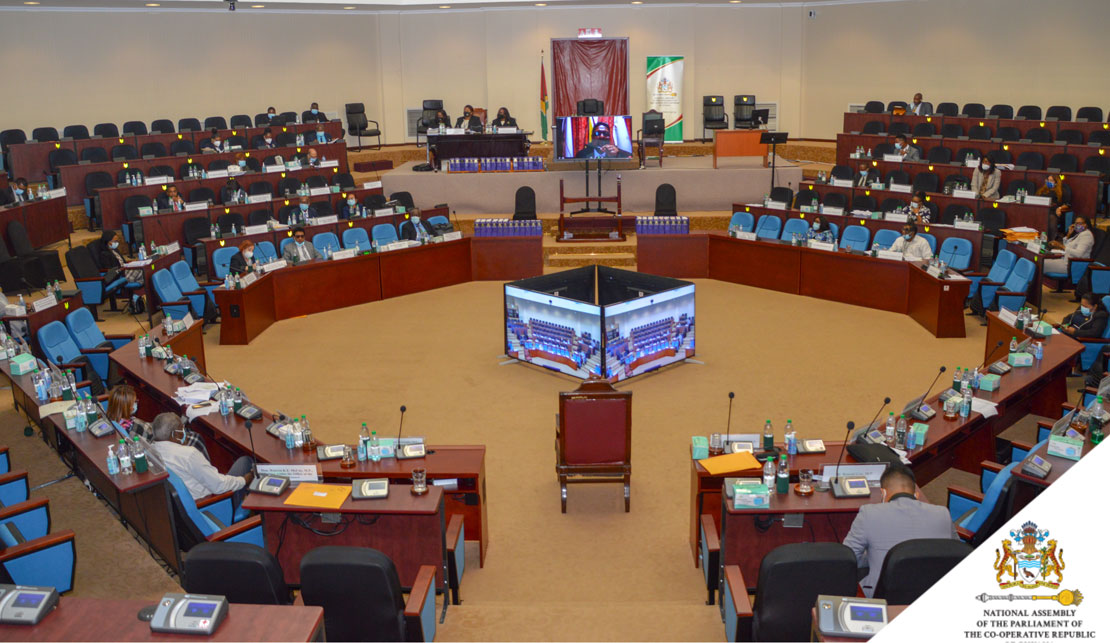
column 590, row 68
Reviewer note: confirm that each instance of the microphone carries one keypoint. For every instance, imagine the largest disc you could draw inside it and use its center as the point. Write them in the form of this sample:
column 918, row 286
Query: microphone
column 728, row 426
column 844, row 447
column 917, row 413
column 254, row 455
column 886, row 400
column 397, row 449
column 990, row 355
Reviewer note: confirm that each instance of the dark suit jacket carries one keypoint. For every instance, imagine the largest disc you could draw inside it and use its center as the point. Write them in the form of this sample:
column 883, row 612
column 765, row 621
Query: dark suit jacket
column 259, row 143
column 163, row 201
column 226, row 192
column 510, row 122
column 474, row 124
column 238, row 265
column 348, row 212
column 409, row 232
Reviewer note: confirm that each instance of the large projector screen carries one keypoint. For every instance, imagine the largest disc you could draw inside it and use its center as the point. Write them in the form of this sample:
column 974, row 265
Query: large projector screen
column 550, row 331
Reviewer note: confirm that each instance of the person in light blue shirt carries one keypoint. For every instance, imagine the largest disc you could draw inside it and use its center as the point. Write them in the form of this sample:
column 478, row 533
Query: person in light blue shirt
column 416, row 229
column 321, row 135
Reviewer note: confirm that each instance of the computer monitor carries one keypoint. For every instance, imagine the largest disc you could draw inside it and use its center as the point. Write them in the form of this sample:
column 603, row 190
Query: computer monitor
column 760, row 117
column 593, row 137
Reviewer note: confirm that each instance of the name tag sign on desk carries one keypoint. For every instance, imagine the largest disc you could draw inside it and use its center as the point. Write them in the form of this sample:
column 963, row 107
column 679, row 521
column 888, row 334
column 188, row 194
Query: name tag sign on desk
column 260, row 198
column 196, row 205
column 832, row 211
column 319, row 191
column 1033, row 246
column 1038, row 200
column 274, row 265
column 255, row 229
column 893, row 158
column 217, row 174
column 275, row 167
column 890, row 254
column 935, row 271
column 248, row 279
column 456, row 131
column 372, row 185
column 747, row 236
column 841, row 183
column 507, row 130
column 330, row 163
column 899, row 187
column 383, row 212
column 966, row 225
column 145, row 211
column 48, row 301
column 820, row 245
column 776, row 205
column 453, row 236
column 891, row 216
column 157, row 180
column 343, row 254
column 963, row 194
column 333, row 218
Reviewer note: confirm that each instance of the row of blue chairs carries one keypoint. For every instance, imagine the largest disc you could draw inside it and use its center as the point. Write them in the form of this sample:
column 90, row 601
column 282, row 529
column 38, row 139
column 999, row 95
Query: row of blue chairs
column 29, row 553
column 1007, row 283
column 955, row 251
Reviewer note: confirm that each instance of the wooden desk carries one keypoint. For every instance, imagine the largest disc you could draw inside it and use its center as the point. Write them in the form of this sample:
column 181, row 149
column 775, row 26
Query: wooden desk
column 46, row 221
column 36, row 320
column 891, row 612
column 97, row 619
column 738, row 142
column 448, row 146
column 505, row 259
column 434, row 265
column 410, row 529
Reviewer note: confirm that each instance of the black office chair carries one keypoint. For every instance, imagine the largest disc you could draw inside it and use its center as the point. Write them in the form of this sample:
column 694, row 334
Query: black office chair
column 896, row 104
column 1029, row 112
column 1002, row 111
column 20, row 274
column 1039, row 135
column 361, row 595
column 1070, row 136
column 913, row 566
column 524, row 207
column 979, row 133
column 924, row 130
column 94, row 155
column 184, row 147
column 21, row 245
column 259, row 217
column 404, row 198
column 1058, row 112
column 193, row 230
column 925, row 181
column 898, row 177
column 591, row 107
column 135, row 128
column 1101, row 137
column 262, row 119
column 713, row 114
column 1000, row 157
column 106, row 130
column 954, row 212
column 1063, row 162
column 951, row 130
column 874, row 107
column 76, row 132
column 1009, row 134
column 939, row 155
column 202, row 194
column 225, row 221
column 653, row 128
column 124, row 152
column 153, row 149
column 375, row 202
column 882, row 149
column 219, row 122
column 288, row 186
column 864, row 202
column 782, row 194
column 965, row 154
column 1030, row 160
column 429, row 108
column 1089, row 114
column 947, row 109
column 308, row 117
column 44, row 134
column 94, row 181
column 188, row 125
column 836, row 200
column 162, row 126
column 261, row 186
column 842, row 173
column 240, row 121
column 666, row 201
column 242, row 572
column 974, row 110
column 790, row 579
column 162, row 170
column 993, row 221
column 873, row 127
column 743, row 108
column 218, row 164
column 60, row 157
column 358, row 125
column 899, row 127
column 344, row 180
column 806, row 198
column 891, row 204
column 316, row 182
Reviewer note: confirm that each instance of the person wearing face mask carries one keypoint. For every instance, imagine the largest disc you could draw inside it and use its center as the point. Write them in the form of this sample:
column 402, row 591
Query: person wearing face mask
column 111, row 257
column 122, row 407
column 913, row 246
column 313, row 158
column 214, row 143
column 264, row 141
column 867, row 174
column 919, row 210
column 986, row 180
column 243, row 261
column 1089, row 320
column 899, row 517
column 819, row 225
column 231, row 192
column 907, row 151
column 271, row 113
column 300, row 250
column 917, row 107
column 170, row 199
column 469, row 120
column 1077, row 244
column 441, row 118
column 314, row 115
column 351, row 208
column 416, row 229
column 504, row 119
column 17, row 192
column 196, row 472
column 1054, row 187
column 321, row 135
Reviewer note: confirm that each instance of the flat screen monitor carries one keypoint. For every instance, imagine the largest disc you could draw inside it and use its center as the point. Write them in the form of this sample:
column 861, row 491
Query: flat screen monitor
column 649, row 332
column 557, row 333
column 593, row 137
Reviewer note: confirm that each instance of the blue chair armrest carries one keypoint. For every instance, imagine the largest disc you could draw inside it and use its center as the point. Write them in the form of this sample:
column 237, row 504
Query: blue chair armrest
column 420, row 608
column 119, row 340
column 45, row 561
column 961, row 501
column 1010, row 300
column 31, row 517
column 218, row 506
column 176, row 309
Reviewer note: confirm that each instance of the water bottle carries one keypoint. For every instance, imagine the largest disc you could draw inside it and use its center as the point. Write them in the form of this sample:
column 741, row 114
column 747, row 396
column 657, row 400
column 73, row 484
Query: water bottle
column 298, row 437
column 965, row 404
column 768, row 436
column 124, row 454
column 1038, row 351
column 142, row 253
column 976, row 378
column 363, row 438
column 290, row 440
column 900, row 433
column 225, row 404
column 769, row 473
column 967, row 383
column 22, row 306
column 374, row 451
column 890, row 422
column 791, row 438
column 957, row 380
column 237, row 400
column 72, row 382
column 113, row 461
column 142, row 346
column 138, row 455
column 80, row 421
column 782, row 480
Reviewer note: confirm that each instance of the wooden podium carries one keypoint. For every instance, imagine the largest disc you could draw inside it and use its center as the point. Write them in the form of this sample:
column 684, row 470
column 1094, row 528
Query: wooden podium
column 738, row 142
column 593, row 437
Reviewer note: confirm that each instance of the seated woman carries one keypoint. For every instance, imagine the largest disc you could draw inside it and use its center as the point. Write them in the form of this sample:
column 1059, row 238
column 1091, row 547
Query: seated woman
column 1089, row 320
column 111, row 258
column 441, row 118
column 1077, row 244
column 820, row 224
column 503, row 118
column 1053, row 187
column 986, row 180
column 243, row 261
column 122, row 407
column 918, row 209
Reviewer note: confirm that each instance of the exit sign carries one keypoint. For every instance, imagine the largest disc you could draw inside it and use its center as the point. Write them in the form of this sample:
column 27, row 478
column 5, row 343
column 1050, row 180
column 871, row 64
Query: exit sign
column 589, row 32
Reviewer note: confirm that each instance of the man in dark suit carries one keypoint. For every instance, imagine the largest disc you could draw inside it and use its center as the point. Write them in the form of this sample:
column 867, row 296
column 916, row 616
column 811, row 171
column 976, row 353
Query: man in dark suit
column 601, row 145
column 416, row 229
column 170, row 199
column 15, row 193
column 242, row 261
column 264, row 141
column 867, row 174
column 900, row 517
column 232, row 192
column 469, row 120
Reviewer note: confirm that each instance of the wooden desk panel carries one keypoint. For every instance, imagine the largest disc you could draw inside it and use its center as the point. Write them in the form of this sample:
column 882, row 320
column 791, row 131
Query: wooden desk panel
column 35, row 321
column 325, row 285
column 246, row 313
column 855, row 279
column 96, row 619
column 770, row 265
column 935, row 304
column 738, row 142
column 506, row 258
column 46, row 222
column 431, row 266
column 682, row 256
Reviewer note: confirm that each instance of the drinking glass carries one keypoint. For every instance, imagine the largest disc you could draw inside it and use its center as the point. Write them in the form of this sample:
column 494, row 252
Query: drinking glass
column 420, row 480
column 805, row 480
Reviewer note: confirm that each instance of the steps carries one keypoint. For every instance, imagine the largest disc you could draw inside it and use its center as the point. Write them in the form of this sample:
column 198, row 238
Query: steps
column 564, row 256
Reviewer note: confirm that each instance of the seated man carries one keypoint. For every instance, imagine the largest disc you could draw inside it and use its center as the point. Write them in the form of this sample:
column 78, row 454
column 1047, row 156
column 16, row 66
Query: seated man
column 200, row 477
column 170, row 199
column 314, row 114
column 469, row 120
column 321, row 136
column 416, row 229
column 1089, row 320
column 313, row 158
column 902, row 146
column 265, row 141
column 912, row 246
column 601, row 145
column 214, row 143
column 900, row 517
column 15, row 193
column 299, row 250
column 918, row 108
column 867, row 175
column 231, row 192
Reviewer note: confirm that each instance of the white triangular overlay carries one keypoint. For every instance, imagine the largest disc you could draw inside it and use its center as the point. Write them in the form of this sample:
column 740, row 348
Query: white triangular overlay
column 1074, row 512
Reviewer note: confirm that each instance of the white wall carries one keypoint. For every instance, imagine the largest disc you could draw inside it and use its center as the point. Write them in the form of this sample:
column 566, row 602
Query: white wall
column 88, row 67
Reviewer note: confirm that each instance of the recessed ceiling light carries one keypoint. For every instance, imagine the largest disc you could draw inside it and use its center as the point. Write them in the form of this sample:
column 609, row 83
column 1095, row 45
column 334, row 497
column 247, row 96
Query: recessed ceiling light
column 30, row 2
column 541, row 4
column 258, row 6
column 637, row 1
column 444, row 6
column 153, row 4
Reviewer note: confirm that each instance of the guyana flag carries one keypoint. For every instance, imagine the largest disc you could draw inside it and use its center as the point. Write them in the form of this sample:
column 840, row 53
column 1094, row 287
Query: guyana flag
column 543, row 99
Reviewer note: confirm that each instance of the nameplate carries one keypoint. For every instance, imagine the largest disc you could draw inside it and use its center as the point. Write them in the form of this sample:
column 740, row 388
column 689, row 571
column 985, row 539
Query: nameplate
column 296, row 473
column 455, row 131
column 890, row 254
column 248, row 279
column 892, row 216
column 196, row 205
column 333, row 218
column 747, row 236
column 832, row 210
column 934, row 271
column 346, row 253
column 893, row 158
column 255, row 229
column 383, row 212
column 841, row 183
column 260, row 198
column 292, row 165
column 145, row 210
column 158, row 180
column 1034, row 246
column 138, row 264
column 172, row 248
column 900, row 187
column 48, row 301
column 507, row 130
column 966, row 225
column 186, row 321
column 319, row 191
column 971, row 161
column 776, row 205
column 1038, row 200
column 274, row 265
column 53, row 194
column 270, row 169
column 821, row 245
column 234, row 169
column 878, row 185
column 963, row 194
column 330, row 163
column 453, row 236
column 372, row 185
column 217, row 174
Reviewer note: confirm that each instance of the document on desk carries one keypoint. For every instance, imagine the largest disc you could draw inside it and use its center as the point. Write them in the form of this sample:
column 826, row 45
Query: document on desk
column 986, row 408
column 138, row 264
column 319, row 496
column 730, row 463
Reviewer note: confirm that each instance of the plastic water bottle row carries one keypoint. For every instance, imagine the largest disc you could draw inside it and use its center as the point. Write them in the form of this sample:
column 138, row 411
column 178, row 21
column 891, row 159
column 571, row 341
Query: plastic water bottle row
column 495, row 164
column 507, row 228
column 662, row 225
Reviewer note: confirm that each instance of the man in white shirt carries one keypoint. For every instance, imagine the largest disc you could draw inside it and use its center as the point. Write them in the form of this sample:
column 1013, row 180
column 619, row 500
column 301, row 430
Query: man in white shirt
column 913, row 246
column 200, row 477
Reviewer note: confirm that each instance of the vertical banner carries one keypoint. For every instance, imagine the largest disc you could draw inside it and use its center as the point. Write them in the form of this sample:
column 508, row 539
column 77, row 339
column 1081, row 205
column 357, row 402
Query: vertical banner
column 664, row 92
column 543, row 99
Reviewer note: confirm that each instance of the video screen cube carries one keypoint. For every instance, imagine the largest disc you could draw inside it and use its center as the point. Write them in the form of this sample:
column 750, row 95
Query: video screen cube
column 600, row 322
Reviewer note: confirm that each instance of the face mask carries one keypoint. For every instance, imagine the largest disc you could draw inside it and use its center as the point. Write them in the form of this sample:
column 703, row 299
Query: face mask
column 134, row 408
column 304, row 206
column 242, row 163
column 1086, row 311
column 248, row 254
column 1079, row 227
column 216, row 141
column 314, row 111
column 907, row 237
column 897, row 146
column 985, row 167
column 270, row 115
column 300, row 244
column 416, row 220
column 816, row 225
column 915, row 206
column 113, row 244
column 351, row 202
column 19, row 191
column 1050, row 184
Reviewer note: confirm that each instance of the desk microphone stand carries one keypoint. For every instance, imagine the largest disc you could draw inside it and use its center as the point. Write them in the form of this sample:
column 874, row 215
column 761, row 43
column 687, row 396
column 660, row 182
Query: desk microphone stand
column 773, row 139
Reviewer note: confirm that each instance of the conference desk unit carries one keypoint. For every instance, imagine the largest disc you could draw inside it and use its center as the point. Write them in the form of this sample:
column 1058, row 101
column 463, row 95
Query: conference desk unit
column 35, row 320
column 961, row 442
column 45, row 220
column 99, row 619
column 738, row 142
column 851, row 278
column 444, row 147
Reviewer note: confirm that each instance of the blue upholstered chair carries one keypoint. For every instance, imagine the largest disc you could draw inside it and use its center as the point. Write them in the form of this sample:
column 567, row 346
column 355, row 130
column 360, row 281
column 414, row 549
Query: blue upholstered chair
column 60, row 349
column 1003, row 264
column 221, row 261
column 1010, row 294
column 793, row 227
column 856, row 237
column 439, row 219
column 356, row 238
column 743, row 219
column 173, row 301
column 264, row 252
column 886, row 238
column 956, row 252
column 29, row 553
column 200, row 295
column 211, row 519
column 931, row 239
column 975, row 513
column 14, row 488
column 1092, row 346
column 325, row 240
column 281, row 245
column 768, row 227
column 383, row 233
column 92, row 341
